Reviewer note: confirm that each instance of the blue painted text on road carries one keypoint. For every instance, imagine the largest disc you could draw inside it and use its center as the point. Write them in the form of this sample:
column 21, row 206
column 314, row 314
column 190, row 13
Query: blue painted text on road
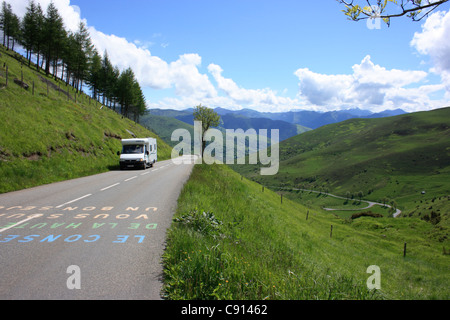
column 70, row 238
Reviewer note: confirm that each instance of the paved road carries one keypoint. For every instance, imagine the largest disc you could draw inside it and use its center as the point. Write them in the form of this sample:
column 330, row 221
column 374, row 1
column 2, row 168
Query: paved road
column 99, row 237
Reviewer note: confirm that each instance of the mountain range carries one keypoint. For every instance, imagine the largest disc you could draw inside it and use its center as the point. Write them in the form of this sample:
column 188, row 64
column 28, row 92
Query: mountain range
column 312, row 119
column 289, row 123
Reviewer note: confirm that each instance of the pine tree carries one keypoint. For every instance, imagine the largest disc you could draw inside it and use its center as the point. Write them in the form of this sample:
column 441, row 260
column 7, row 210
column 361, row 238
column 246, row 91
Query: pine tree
column 30, row 29
column 4, row 20
column 10, row 25
column 54, row 35
column 106, row 79
column 46, row 37
column 14, row 30
column 94, row 73
column 83, row 54
column 39, row 38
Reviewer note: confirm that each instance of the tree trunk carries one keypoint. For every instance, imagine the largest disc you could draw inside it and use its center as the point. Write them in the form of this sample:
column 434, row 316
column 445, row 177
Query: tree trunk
column 38, row 54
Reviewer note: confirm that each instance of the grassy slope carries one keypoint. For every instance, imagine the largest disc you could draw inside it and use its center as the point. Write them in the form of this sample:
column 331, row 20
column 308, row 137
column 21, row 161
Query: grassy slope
column 44, row 139
column 254, row 247
column 396, row 157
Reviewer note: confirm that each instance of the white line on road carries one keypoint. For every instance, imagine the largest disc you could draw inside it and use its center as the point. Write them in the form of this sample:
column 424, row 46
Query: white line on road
column 131, row 178
column 143, row 174
column 111, row 186
column 20, row 222
column 62, row 205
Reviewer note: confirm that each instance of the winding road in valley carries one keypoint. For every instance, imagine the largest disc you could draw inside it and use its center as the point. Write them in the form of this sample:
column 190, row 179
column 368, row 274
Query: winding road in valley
column 98, row 237
column 397, row 213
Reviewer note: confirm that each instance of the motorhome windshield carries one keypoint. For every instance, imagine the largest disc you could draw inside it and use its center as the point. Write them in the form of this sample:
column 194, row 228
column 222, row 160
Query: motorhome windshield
column 133, row 149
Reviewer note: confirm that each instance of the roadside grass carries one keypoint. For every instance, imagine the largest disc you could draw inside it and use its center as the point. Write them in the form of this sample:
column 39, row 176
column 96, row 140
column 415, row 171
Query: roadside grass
column 231, row 240
column 48, row 138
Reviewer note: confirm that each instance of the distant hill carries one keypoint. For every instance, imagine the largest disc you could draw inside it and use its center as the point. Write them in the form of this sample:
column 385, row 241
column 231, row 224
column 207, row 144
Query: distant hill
column 305, row 119
column 228, row 121
column 164, row 126
column 312, row 119
column 396, row 157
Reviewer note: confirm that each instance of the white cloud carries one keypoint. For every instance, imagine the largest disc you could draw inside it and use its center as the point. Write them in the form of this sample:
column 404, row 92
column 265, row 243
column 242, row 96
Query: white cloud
column 70, row 13
column 239, row 95
column 433, row 41
column 321, row 89
column 151, row 71
column 370, row 86
column 260, row 99
column 188, row 81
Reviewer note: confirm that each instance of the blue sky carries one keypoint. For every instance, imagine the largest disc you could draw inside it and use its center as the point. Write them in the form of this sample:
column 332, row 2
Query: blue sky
column 269, row 55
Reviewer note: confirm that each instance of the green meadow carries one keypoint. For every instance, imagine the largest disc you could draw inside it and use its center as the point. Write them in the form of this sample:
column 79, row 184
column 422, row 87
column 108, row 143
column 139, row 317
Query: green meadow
column 403, row 161
column 230, row 239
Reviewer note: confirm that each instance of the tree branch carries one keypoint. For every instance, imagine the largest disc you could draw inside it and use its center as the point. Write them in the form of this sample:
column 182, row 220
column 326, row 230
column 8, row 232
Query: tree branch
column 354, row 10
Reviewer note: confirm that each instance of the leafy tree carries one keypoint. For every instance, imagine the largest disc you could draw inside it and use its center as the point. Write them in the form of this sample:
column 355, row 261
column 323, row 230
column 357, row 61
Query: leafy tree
column 387, row 9
column 360, row 195
column 209, row 119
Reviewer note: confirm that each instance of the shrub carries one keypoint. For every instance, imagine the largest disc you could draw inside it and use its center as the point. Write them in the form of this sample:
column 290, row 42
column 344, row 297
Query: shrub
column 366, row 214
column 205, row 222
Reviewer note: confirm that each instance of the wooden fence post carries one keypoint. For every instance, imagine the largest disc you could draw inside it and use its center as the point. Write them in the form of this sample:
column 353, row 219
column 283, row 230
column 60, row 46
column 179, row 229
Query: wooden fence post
column 404, row 250
column 307, row 214
column 331, row 231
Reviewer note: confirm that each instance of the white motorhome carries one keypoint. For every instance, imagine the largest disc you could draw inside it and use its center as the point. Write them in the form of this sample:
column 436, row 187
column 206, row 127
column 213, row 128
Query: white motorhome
column 138, row 153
